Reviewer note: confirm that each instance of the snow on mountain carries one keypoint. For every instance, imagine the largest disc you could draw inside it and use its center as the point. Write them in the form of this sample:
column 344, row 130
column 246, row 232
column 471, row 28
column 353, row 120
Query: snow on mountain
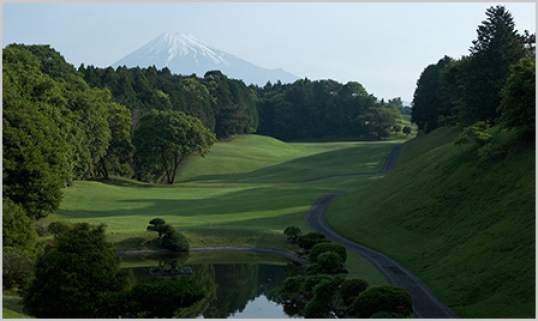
column 186, row 54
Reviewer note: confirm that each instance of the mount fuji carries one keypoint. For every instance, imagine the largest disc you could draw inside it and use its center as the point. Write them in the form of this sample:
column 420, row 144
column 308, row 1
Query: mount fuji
column 186, row 54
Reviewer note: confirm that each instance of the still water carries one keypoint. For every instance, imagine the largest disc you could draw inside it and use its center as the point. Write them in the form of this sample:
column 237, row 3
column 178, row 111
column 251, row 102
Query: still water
column 237, row 285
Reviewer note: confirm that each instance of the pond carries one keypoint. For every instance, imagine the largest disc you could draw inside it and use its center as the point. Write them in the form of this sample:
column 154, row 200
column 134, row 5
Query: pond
column 236, row 284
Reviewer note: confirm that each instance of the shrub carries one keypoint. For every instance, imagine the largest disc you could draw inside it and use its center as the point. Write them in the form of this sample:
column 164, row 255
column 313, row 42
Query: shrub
column 307, row 241
column 17, row 228
column 59, row 227
column 321, row 248
column 325, row 303
column 330, row 262
column 69, row 280
column 351, row 288
column 175, row 241
column 314, row 269
column 293, row 233
column 17, row 269
column 382, row 298
column 310, row 282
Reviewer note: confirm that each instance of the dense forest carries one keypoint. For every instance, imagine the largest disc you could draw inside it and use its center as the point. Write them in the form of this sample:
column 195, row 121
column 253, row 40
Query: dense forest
column 302, row 110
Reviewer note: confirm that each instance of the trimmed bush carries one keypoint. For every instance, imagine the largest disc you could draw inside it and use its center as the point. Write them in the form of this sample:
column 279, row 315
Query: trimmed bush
column 175, row 241
column 293, row 233
column 351, row 288
column 307, row 241
column 330, row 262
column 310, row 283
column 382, row 298
column 321, row 248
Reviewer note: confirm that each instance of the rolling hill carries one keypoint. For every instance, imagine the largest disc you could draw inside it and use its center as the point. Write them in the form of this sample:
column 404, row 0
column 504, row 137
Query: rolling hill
column 465, row 227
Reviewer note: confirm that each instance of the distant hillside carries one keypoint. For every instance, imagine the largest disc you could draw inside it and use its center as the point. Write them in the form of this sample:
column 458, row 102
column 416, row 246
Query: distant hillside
column 465, row 227
column 186, row 54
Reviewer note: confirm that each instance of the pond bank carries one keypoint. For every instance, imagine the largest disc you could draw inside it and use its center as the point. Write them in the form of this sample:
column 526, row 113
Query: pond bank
column 287, row 254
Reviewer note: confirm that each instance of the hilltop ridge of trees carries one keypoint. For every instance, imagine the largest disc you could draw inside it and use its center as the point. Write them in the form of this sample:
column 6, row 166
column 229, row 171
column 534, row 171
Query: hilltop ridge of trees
column 494, row 84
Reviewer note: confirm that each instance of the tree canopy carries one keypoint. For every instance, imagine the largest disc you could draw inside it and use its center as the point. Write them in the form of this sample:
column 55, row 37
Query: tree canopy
column 472, row 89
column 72, row 277
column 164, row 139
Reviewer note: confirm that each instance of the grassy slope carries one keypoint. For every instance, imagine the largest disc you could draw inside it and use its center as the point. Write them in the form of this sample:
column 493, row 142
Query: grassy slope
column 12, row 307
column 245, row 192
column 467, row 230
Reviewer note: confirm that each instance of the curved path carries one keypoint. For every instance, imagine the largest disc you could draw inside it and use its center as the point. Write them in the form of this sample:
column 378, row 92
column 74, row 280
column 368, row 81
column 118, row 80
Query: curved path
column 425, row 303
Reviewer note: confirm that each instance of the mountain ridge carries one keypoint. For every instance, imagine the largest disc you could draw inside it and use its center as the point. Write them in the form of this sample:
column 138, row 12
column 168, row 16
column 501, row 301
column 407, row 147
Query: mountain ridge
column 186, row 54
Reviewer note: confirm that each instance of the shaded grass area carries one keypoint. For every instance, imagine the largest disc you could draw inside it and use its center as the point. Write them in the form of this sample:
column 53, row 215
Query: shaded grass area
column 467, row 229
column 267, row 162
column 12, row 307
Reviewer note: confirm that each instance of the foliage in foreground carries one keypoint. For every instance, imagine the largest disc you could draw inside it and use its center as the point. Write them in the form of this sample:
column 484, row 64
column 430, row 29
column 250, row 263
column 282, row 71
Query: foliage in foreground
column 382, row 298
column 72, row 278
column 323, row 291
column 80, row 277
column 158, row 299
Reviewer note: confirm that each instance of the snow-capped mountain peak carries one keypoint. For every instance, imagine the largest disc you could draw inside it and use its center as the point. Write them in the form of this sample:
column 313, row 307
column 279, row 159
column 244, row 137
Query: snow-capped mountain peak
column 186, row 54
column 180, row 44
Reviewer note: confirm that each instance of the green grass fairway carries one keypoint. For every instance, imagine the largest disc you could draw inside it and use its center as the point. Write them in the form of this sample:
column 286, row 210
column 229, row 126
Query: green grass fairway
column 466, row 229
column 245, row 192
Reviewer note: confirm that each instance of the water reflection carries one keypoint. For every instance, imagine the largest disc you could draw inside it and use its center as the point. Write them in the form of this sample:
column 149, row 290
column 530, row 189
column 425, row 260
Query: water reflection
column 237, row 289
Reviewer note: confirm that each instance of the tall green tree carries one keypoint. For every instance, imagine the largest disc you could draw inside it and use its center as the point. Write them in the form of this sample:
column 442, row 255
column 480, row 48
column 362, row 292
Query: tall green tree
column 118, row 156
column 37, row 157
column 225, row 122
column 432, row 106
column 518, row 105
column 73, row 278
column 198, row 101
column 90, row 117
column 166, row 138
column 476, row 88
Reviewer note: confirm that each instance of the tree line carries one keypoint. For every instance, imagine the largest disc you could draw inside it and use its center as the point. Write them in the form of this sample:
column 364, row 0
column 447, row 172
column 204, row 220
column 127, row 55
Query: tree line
column 304, row 109
column 310, row 110
column 494, row 84
column 62, row 124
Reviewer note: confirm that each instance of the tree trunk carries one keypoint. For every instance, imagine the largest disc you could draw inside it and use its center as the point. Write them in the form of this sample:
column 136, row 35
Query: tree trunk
column 104, row 171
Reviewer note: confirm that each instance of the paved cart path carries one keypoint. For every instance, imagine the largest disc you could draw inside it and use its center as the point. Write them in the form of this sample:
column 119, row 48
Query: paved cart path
column 425, row 303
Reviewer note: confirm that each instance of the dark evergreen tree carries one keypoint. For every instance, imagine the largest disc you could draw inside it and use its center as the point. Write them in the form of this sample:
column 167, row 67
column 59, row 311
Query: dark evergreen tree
column 432, row 107
column 476, row 82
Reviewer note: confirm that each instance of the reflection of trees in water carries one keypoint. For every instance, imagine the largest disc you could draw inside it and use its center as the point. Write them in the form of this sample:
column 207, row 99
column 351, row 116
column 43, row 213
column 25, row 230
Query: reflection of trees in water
column 237, row 284
column 228, row 287
column 203, row 276
column 270, row 277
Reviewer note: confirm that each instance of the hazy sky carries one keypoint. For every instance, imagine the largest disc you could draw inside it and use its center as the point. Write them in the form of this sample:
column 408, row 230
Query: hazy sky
column 383, row 46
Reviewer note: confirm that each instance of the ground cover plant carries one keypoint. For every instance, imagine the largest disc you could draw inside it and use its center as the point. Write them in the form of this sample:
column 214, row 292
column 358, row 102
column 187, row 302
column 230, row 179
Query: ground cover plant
column 464, row 224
